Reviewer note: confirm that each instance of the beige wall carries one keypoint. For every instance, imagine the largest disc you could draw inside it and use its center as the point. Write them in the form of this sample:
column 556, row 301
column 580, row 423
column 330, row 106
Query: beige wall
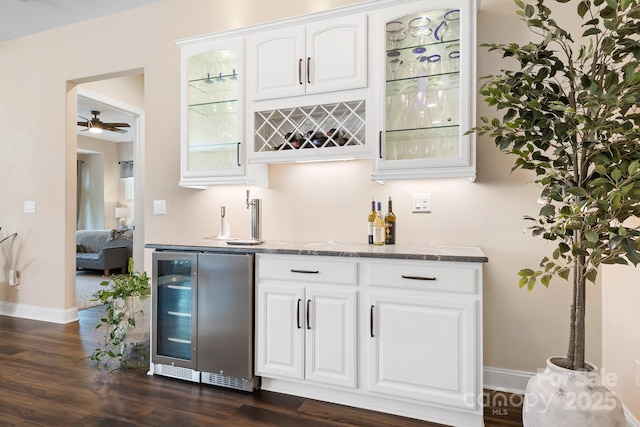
column 620, row 337
column 304, row 202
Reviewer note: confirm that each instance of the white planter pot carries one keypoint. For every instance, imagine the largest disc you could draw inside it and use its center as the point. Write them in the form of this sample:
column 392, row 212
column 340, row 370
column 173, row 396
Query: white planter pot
column 562, row 397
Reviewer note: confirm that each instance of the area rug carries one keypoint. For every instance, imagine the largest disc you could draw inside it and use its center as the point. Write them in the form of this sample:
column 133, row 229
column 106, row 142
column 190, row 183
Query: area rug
column 87, row 283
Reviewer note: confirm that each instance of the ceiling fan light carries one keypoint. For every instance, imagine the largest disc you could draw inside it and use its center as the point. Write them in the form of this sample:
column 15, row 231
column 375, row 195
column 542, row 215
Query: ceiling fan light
column 95, row 129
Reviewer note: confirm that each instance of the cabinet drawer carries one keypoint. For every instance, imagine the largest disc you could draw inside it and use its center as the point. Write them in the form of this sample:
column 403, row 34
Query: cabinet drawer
column 425, row 275
column 308, row 269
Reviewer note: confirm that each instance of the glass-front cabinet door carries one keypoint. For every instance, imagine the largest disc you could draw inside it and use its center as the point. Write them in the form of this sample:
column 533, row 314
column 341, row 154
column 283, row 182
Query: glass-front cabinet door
column 212, row 113
column 427, row 59
column 174, row 309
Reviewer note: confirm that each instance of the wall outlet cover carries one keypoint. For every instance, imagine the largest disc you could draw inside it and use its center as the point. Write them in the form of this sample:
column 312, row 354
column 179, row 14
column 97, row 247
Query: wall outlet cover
column 421, row 203
column 159, row 207
column 29, row 206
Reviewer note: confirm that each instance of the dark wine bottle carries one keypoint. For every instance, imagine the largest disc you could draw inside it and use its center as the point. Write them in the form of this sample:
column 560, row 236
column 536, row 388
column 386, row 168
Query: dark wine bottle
column 390, row 225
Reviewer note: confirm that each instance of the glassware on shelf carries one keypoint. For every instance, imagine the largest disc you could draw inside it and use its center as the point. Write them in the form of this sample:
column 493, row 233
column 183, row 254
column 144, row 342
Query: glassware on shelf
column 436, row 99
column 451, row 28
column 434, row 65
column 454, row 61
column 421, row 107
column 394, row 63
column 395, row 33
column 420, row 28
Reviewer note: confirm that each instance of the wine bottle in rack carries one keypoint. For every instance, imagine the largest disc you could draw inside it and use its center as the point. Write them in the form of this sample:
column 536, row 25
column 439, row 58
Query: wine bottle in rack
column 378, row 227
column 390, row 225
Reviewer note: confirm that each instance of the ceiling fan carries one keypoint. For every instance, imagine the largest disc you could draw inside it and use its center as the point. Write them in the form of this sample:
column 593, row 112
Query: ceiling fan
column 95, row 125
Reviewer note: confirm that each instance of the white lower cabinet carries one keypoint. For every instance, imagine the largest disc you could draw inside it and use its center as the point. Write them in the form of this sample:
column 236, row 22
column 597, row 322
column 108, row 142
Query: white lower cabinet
column 393, row 335
column 305, row 331
column 422, row 348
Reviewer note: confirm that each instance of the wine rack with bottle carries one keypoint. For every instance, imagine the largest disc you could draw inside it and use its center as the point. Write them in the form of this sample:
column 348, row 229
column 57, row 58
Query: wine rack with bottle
column 317, row 127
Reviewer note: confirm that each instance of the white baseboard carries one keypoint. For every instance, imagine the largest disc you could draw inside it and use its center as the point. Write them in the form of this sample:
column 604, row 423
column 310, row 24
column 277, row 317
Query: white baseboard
column 32, row 312
column 508, row 380
column 513, row 381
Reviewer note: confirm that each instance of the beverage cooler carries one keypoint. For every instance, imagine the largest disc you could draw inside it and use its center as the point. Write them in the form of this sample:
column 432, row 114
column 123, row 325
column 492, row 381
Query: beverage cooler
column 202, row 322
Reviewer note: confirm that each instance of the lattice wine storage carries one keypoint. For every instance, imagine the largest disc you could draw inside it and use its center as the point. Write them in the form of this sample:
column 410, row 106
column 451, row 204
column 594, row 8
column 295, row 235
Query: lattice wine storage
column 332, row 127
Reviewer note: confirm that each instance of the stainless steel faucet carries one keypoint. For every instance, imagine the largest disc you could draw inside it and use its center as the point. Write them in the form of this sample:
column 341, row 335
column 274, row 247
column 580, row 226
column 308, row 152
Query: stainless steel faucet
column 256, row 218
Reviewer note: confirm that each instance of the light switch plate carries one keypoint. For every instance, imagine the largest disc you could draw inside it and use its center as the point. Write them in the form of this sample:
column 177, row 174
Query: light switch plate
column 159, row 207
column 421, row 203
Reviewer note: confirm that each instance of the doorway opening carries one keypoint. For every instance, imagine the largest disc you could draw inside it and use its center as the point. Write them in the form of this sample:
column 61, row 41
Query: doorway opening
column 109, row 191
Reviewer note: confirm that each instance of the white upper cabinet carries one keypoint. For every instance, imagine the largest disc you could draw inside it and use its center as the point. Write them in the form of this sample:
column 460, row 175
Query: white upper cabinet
column 212, row 142
column 424, row 64
column 387, row 80
column 325, row 56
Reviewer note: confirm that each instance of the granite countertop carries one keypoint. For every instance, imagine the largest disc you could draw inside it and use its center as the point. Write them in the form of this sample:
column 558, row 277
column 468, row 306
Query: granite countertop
column 399, row 251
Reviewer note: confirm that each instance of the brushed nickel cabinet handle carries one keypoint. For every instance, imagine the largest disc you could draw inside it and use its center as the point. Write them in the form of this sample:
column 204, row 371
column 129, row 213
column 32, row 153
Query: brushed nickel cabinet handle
column 298, row 314
column 308, row 323
column 380, row 144
column 308, row 69
column 238, row 154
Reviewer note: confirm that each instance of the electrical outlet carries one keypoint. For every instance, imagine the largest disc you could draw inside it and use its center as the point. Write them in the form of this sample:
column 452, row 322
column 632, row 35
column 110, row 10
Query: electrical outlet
column 29, row 206
column 638, row 373
column 421, row 203
column 14, row 278
column 159, row 207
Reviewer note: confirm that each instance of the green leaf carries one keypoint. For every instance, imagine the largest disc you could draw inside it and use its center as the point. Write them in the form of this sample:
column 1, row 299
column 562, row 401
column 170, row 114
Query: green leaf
column 583, row 8
column 577, row 191
column 526, row 272
column 522, row 282
column 633, row 167
column 591, row 236
column 591, row 32
column 529, row 11
column 548, row 210
column 616, row 174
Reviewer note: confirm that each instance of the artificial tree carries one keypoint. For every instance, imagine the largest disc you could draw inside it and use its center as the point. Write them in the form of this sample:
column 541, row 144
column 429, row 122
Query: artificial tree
column 570, row 114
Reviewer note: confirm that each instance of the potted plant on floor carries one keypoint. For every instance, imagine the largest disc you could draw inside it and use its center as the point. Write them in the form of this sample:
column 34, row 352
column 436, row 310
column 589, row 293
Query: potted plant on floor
column 124, row 298
column 569, row 113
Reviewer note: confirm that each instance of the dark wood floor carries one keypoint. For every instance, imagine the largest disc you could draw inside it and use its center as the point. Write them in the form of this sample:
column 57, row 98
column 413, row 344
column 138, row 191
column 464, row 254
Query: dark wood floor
column 46, row 379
